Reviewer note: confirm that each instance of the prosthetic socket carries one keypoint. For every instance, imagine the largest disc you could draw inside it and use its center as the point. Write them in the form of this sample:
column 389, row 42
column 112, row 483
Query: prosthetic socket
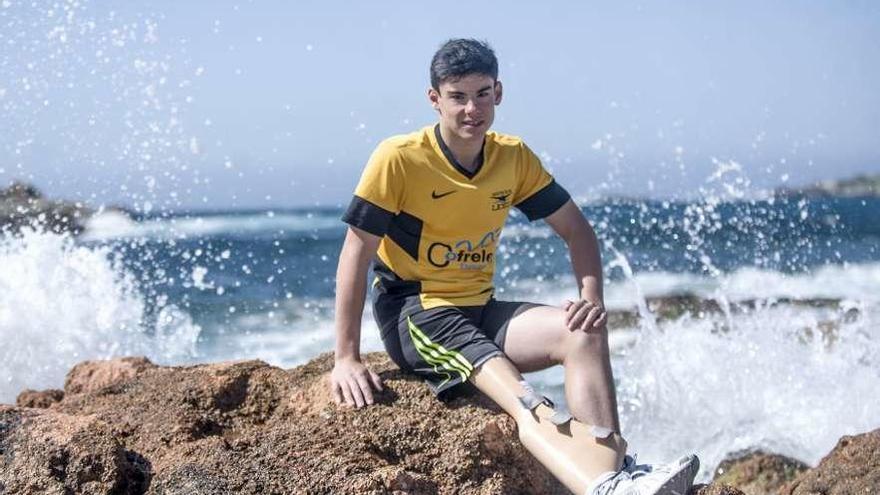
column 576, row 453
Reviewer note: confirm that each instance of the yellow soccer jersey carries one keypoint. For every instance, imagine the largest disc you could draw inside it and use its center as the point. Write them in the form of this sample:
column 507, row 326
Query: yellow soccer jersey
column 440, row 224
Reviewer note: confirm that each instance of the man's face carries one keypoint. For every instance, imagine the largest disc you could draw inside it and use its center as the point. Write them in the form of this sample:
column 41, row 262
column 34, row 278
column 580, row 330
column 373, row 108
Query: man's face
column 467, row 105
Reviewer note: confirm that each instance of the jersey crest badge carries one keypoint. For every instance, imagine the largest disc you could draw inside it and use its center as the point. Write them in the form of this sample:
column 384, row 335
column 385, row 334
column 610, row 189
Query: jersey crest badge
column 501, row 199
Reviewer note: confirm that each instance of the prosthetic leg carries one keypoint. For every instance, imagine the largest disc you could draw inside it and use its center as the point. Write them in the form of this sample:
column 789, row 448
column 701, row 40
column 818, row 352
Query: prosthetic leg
column 575, row 453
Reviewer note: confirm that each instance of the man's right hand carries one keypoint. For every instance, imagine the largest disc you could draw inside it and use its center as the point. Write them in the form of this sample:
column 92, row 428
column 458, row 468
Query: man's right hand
column 352, row 383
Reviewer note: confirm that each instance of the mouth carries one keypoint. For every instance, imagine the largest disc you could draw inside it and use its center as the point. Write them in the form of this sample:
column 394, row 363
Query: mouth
column 472, row 123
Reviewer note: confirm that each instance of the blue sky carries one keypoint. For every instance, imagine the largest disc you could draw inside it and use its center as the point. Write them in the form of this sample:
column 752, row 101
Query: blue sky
column 268, row 104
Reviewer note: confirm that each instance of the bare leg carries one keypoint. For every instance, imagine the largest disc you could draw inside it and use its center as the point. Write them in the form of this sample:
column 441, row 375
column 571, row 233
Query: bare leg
column 571, row 453
column 537, row 338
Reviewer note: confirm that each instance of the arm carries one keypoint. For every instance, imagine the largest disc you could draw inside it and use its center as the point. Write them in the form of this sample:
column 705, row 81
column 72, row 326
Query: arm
column 351, row 382
column 569, row 223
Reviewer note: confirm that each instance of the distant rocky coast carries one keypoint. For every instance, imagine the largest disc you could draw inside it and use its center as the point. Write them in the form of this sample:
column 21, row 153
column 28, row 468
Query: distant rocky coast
column 867, row 185
column 128, row 426
column 23, row 205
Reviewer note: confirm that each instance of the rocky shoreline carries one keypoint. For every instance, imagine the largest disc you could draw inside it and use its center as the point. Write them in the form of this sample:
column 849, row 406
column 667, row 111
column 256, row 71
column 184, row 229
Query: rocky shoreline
column 865, row 185
column 127, row 426
column 23, row 205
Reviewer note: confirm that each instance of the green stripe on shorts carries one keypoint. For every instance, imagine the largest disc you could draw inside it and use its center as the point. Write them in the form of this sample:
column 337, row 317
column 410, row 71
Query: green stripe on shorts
column 437, row 355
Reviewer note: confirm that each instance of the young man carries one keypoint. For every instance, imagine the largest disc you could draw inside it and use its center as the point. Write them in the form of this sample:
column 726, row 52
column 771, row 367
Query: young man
column 429, row 208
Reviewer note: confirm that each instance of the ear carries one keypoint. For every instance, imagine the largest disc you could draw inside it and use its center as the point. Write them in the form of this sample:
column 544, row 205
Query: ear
column 498, row 91
column 434, row 98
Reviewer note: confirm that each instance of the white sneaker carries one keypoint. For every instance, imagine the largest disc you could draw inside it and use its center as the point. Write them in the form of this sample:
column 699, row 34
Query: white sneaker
column 675, row 478
column 611, row 483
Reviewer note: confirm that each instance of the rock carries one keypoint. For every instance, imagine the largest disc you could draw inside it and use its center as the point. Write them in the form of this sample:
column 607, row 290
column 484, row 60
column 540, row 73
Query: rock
column 45, row 452
column 247, row 427
column 39, row 399
column 865, row 185
column 127, row 426
column 758, row 473
column 852, row 467
column 20, row 192
column 715, row 489
column 397, row 480
column 673, row 307
column 22, row 205
column 89, row 376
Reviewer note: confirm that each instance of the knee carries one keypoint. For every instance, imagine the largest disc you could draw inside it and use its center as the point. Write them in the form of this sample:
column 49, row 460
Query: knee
column 579, row 343
column 592, row 342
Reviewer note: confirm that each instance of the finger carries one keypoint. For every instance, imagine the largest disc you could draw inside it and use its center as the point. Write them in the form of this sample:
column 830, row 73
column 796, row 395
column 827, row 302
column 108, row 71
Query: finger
column 377, row 382
column 578, row 317
column 601, row 320
column 366, row 390
column 349, row 400
column 567, row 304
column 356, row 393
column 337, row 393
column 594, row 313
column 572, row 310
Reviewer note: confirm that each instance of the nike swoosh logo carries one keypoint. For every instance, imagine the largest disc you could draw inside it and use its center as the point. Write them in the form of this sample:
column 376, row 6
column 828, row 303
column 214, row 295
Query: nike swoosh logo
column 438, row 196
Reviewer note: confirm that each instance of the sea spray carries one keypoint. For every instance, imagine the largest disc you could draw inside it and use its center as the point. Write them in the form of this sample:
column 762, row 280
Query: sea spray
column 292, row 333
column 620, row 261
column 61, row 303
column 790, row 380
column 789, row 364
column 99, row 99
column 258, row 289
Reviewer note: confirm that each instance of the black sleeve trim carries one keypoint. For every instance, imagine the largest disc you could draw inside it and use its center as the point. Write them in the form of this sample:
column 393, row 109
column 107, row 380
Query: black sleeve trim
column 367, row 216
column 544, row 202
column 406, row 231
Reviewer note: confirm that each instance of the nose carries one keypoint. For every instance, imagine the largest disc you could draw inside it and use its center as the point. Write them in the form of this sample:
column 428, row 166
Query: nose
column 470, row 106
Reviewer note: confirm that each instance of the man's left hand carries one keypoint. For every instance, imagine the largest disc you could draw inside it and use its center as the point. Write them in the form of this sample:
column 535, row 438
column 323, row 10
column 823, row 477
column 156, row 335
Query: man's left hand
column 584, row 315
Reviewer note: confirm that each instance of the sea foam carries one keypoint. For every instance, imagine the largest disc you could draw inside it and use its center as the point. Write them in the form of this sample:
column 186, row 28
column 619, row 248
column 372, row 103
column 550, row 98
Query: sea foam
column 61, row 304
column 111, row 225
column 845, row 282
column 786, row 379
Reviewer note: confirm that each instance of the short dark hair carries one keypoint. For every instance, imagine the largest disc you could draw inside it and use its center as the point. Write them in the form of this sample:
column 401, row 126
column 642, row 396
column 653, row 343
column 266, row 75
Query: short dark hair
column 461, row 57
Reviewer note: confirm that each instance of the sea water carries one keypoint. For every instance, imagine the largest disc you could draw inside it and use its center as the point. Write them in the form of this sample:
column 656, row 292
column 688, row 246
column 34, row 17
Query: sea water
column 788, row 362
column 789, row 359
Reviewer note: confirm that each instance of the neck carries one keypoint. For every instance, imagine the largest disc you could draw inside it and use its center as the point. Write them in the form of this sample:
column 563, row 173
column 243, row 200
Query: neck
column 465, row 151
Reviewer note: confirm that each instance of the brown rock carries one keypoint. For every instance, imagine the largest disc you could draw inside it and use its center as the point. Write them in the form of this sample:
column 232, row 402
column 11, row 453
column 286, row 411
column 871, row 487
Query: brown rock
column 715, row 489
column 852, row 467
column 673, row 307
column 47, row 452
column 39, row 399
column 127, row 426
column 758, row 473
column 89, row 376
column 247, row 427
column 400, row 481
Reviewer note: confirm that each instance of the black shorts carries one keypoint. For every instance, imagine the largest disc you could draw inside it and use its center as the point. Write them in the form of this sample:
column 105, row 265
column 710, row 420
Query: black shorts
column 442, row 345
